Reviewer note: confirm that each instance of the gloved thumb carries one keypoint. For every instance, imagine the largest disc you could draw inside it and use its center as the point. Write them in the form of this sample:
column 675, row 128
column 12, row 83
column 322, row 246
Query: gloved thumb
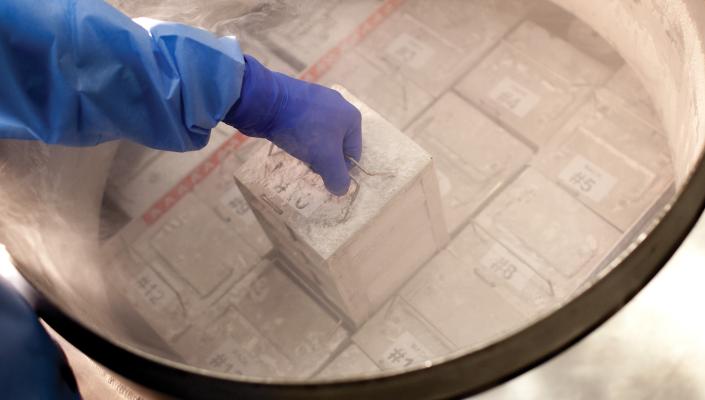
column 331, row 166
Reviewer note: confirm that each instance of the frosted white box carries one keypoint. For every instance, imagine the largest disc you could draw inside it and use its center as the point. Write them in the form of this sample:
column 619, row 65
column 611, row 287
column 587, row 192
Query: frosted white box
column 509, row 276
column 223, row 340
column 306, row 333
column 532, row 82
column 356, row 249
column 396, row 98
column 313, row 27
column 458, row 303
column 159, row 175
column 472, row 26
column 551, row 231
column 472, row 154
column 611, row 160
column 398, row 337
column 151, row 296
column 350, row 363
column 202, row 270
column 200, row 249
column 220, row 192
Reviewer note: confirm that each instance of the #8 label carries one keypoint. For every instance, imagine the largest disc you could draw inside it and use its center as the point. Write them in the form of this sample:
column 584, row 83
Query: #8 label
column 587, row 179
column 514, row 97
column 499, row 267
column 405, row 352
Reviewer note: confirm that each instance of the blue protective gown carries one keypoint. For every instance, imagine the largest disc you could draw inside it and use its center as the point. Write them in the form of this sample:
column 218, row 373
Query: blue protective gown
column 78, row 72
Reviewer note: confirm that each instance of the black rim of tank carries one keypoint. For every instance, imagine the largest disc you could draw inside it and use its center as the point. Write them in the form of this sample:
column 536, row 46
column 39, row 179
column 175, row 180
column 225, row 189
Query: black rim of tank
column 463, row 376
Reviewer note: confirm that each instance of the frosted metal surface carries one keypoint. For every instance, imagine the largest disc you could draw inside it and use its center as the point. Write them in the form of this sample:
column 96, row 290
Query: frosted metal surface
column 550, row 155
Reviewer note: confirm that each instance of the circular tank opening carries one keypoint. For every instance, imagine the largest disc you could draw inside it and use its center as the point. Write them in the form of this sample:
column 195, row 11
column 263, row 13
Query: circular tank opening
column 562, row 137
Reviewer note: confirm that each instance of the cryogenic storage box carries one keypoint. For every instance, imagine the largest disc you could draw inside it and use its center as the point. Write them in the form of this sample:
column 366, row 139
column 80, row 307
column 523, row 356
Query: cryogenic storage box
column 317, row 26
column 450, row 295
column 190, row 255
column 512, row 278
column 352, row 361
column 156, row 175
column 550, row 230
column 471, row 26
column 611, row 160
column 396, row 98
column 533, row 82
column 473, row 155
column 360, row 248
column 398, row 337
column 404, row 44
column 223, row 340
column 282, row 329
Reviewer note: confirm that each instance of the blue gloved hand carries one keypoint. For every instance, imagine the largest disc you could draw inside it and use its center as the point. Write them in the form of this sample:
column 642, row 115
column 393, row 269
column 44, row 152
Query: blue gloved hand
column 31, row 365
column 312, row 123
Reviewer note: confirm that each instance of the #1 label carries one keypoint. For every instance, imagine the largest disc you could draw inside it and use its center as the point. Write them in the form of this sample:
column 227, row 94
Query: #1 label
column 514, row 97
column 405, row 352
column 587, row 179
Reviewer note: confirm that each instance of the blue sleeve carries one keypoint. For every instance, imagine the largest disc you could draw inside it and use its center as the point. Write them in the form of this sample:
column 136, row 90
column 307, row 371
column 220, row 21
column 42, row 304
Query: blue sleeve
column 79, row 73
column 31, row 365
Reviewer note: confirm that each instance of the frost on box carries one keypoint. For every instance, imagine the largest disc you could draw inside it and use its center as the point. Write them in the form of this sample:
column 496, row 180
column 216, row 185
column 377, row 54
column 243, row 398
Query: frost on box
column 532, row 82
column 611, row 160
column 398, row 337
column 355, row 250
column 551, row 231
column 449, row 294
column 474, row 157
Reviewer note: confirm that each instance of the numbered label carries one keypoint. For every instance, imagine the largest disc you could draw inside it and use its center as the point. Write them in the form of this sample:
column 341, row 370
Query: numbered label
column 514, row 97
column 234, row 200
column 587, row 179
column 149, row 287
column 408, row 51
column 405, row 352
column 501, row 268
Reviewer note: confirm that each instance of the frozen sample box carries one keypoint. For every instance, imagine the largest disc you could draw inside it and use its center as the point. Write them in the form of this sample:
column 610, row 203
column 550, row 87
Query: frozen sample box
column 312, row 27
column 611, row 160
column 223, row 340
column 449, row 293
column 469, row 25
column 512, row 278
column 220, row 192
column 533, row 82
column 626, row 86
column 200, row 249
column 421, row 53
column 351, row 362
column 151, row 295
column 396, row 98
column 551, row 231
column 398, row 337
column 159, row 174
column 356, row 249
column 193, row 253
column 286, row 315
column 473, row 155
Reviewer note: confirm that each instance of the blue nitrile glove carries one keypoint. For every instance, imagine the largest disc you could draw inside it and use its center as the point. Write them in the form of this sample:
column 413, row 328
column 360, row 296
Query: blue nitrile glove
column 31, row 365
column 312, row 123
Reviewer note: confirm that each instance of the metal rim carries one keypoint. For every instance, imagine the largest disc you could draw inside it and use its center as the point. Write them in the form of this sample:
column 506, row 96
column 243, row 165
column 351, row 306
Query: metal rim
column 466, row 375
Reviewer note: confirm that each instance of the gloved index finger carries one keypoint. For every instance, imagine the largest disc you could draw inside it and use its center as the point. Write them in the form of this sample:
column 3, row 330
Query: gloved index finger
column 352, row 141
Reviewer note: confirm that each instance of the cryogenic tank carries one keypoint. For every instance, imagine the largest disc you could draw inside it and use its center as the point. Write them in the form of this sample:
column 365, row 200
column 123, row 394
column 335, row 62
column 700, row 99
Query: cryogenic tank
column 565, row 142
